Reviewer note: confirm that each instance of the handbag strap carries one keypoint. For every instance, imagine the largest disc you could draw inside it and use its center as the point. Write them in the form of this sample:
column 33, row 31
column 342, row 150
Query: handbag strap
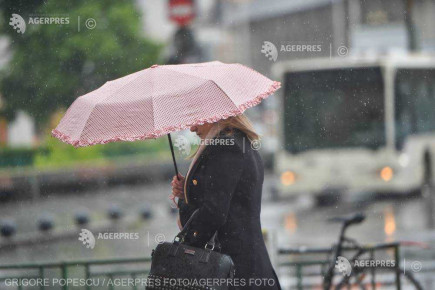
column 180, row 236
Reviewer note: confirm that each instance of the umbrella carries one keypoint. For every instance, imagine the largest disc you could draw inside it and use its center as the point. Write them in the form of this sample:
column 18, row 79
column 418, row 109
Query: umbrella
column 162, row 99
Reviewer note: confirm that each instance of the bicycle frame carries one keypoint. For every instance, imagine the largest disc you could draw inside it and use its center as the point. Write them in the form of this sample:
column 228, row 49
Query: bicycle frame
column 337, row 252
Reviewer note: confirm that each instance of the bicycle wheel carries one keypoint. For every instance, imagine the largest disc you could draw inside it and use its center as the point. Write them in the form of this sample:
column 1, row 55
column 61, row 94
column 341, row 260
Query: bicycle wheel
column 411, row 279
column 354, row 280
column 358, row 280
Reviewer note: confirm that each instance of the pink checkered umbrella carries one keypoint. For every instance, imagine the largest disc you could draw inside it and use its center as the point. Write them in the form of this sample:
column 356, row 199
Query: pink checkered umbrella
column 162, row 99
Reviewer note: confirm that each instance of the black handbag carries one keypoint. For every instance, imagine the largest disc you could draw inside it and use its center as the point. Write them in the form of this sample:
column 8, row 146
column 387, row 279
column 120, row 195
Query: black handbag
column 179, row 266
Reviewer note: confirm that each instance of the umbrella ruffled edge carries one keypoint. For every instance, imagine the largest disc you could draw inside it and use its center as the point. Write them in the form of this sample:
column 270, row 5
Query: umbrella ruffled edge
column 159, row 133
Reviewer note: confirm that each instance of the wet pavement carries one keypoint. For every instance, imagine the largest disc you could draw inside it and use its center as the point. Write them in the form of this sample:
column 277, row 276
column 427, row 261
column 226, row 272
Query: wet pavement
column 288, row 223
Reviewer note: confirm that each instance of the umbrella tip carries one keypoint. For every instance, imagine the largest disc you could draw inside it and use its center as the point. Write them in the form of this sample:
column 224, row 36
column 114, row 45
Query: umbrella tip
column 154, row 65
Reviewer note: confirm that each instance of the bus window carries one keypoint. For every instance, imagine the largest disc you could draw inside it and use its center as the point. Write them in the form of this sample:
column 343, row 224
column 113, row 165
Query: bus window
column 334, row 109
column 415, row 103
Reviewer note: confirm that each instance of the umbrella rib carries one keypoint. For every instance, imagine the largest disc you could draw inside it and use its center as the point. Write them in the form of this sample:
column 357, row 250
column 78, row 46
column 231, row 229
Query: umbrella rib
column 111, row 94
column 232, row 101
column 205, row 80
column 184, row 73
column 152, row 101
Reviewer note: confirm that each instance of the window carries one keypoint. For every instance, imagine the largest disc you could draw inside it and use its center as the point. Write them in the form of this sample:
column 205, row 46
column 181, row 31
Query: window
column 334, row 109
column 414, row 103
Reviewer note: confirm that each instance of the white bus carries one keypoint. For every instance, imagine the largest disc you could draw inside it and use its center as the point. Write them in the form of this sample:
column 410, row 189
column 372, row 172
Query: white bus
column 352, row 125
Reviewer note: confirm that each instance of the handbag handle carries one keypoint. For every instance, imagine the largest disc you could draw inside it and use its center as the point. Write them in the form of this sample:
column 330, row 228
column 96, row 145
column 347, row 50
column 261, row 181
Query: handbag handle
column 179, row 238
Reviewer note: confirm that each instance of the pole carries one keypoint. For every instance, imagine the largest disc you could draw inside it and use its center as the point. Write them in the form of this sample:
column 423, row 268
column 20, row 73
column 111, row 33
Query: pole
column 173, row 155
column 410, row 26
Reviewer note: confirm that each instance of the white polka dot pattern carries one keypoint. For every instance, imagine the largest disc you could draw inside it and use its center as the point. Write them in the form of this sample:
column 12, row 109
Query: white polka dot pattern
column 160, row 100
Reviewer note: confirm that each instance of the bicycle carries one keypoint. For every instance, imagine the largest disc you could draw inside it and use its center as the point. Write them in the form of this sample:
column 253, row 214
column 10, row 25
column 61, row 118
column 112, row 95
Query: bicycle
column 359, row 273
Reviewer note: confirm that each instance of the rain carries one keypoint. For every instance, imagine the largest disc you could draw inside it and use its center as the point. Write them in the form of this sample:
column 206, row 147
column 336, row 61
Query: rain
column 339, row 187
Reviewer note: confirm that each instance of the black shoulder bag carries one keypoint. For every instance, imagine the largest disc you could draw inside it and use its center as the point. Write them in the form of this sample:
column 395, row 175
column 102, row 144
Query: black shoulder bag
column 179, row 266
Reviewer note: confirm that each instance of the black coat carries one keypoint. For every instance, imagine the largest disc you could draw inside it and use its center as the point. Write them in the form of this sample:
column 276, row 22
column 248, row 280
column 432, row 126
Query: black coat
column 225, row 183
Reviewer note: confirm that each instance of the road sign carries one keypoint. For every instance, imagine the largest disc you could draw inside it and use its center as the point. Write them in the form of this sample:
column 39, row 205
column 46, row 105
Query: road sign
column 181, row 12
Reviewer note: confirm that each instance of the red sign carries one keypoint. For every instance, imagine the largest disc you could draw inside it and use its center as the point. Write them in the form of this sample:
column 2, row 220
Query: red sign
column 181, row 11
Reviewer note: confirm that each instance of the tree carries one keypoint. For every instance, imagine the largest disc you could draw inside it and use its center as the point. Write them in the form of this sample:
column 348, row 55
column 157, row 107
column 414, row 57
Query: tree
column 53, row 64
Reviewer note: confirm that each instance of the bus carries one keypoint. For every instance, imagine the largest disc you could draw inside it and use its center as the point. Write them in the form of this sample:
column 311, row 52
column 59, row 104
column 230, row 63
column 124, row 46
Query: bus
column 354, row 125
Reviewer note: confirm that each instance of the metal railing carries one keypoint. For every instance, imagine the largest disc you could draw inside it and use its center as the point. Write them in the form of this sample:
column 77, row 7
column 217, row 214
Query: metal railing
column 89, row 269
column 300, row 259
column 307, row 266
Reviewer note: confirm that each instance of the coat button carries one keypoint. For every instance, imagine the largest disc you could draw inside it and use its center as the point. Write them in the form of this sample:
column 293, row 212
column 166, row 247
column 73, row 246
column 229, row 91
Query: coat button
column 195, row 182
column 195, row 234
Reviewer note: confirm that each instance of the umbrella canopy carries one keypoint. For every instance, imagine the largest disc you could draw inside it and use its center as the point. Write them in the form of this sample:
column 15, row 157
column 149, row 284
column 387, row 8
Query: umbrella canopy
column 160, row 100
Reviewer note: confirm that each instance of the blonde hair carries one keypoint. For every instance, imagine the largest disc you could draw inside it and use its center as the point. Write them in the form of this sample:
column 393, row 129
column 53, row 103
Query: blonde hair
column 240, row 122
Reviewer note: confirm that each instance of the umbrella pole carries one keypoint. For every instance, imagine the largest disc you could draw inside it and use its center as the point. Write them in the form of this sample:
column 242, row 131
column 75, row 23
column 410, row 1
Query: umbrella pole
column 173, row 155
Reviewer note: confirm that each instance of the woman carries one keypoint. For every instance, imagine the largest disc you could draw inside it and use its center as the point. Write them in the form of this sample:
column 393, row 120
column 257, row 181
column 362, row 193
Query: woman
column 225, row 182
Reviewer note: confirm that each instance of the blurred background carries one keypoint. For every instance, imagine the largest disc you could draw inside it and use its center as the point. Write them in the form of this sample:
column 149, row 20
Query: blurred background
column 351, row 130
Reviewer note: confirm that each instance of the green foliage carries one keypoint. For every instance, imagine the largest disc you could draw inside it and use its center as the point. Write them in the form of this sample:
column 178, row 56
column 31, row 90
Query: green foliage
column 145, row 147
column 56, row 154
column 59, row 154
column 11, row 157
column 54, row 64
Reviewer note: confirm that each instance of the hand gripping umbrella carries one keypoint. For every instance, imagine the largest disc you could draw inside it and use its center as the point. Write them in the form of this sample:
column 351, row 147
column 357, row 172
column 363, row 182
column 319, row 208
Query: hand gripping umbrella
column 162, row 99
